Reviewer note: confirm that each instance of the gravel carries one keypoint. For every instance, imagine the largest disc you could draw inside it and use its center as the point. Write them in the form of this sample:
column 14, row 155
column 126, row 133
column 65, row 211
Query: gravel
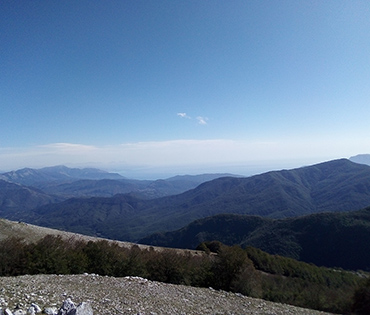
column 132, row 295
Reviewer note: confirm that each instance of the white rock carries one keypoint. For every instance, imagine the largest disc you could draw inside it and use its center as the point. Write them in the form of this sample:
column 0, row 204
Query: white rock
column 31, row 311
column 36, row 307
column 68, row 308
column 84, row 309
column 51, row 311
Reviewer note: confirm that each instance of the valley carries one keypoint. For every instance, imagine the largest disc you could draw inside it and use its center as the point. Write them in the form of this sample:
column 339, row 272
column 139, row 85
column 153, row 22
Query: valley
column 316, row 214
column 334, row 186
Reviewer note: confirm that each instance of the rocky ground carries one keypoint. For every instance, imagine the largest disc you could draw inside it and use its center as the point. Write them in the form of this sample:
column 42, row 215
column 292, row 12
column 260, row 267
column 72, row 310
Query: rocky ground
column 131, row 295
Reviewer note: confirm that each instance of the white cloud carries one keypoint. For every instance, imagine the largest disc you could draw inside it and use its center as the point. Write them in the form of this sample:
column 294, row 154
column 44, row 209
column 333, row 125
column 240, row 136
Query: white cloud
column 202, row 120
column 183, row 115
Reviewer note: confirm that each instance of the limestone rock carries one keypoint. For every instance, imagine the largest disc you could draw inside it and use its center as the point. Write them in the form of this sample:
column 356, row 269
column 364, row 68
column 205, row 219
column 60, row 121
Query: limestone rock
column 36, row 307
column 33, row 309
column 51, row 311
column 68, row 308
column 84, row 309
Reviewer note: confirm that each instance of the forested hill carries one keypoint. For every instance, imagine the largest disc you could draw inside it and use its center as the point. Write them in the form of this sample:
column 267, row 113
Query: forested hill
column 338, row 185
column 324, row 239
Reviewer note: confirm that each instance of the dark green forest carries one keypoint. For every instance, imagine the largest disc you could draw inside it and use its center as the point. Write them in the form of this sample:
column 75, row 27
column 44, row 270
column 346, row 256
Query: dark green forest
column 248, row 271
column 339, row 239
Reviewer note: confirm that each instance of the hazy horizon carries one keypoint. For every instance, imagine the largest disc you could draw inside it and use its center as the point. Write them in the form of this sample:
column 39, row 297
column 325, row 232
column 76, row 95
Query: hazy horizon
column 142, row 172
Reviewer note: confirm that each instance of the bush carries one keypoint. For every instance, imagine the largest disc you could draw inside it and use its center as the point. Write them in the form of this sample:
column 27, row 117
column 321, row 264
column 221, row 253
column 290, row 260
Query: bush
column 13, row 257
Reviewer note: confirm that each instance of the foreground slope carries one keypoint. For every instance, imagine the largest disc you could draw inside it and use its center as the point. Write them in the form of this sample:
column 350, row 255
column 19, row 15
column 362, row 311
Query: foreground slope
column 338, row 185
column 250, row 272
column 30, row 233
column 324, row 239
column 131, row 295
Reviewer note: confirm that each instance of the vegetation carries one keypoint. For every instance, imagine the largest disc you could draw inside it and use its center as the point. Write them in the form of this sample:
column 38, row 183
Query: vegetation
column 361, row 303
column 314, row 287
column 339, row 240
column 250, row 271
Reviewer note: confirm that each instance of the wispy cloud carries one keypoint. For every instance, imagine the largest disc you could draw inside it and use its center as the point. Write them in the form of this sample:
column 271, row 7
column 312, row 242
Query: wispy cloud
column 183, row 115
column 68, row 148
column 202, row 120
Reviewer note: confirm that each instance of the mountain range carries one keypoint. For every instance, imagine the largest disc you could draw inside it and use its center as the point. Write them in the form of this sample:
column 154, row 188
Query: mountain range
column 336, row 186
column 61, row 182
column 60, row 173
column 306, row 213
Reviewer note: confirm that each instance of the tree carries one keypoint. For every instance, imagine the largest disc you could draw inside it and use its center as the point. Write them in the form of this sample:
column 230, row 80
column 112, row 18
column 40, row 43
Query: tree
column 228, row 264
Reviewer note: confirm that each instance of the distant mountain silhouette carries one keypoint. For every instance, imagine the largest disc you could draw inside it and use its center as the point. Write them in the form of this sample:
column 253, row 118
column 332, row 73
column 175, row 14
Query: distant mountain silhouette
column 89, row 182
column 361, row 159
column 31, row 177
column 324, row 239
column 338, row 185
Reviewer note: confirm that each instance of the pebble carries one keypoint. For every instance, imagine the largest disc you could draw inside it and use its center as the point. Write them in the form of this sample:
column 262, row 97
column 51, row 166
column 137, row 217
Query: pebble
column 112, row 296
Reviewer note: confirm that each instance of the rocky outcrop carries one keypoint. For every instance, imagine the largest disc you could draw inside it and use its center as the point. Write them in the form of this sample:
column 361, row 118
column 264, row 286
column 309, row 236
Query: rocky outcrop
column 67, row 308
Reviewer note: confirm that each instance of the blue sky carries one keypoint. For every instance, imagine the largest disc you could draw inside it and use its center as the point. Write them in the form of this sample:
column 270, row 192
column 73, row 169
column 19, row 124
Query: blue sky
column 151, row 88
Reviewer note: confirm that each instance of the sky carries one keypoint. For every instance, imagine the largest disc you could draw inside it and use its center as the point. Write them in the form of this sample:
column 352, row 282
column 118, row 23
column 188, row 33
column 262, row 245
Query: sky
column 156, row 88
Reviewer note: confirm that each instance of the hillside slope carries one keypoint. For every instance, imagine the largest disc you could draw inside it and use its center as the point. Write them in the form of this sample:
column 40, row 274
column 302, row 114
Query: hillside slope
column 16, row 198
column 249, row 271
column 324, row 239
column 147, row 189
column 338, row 185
